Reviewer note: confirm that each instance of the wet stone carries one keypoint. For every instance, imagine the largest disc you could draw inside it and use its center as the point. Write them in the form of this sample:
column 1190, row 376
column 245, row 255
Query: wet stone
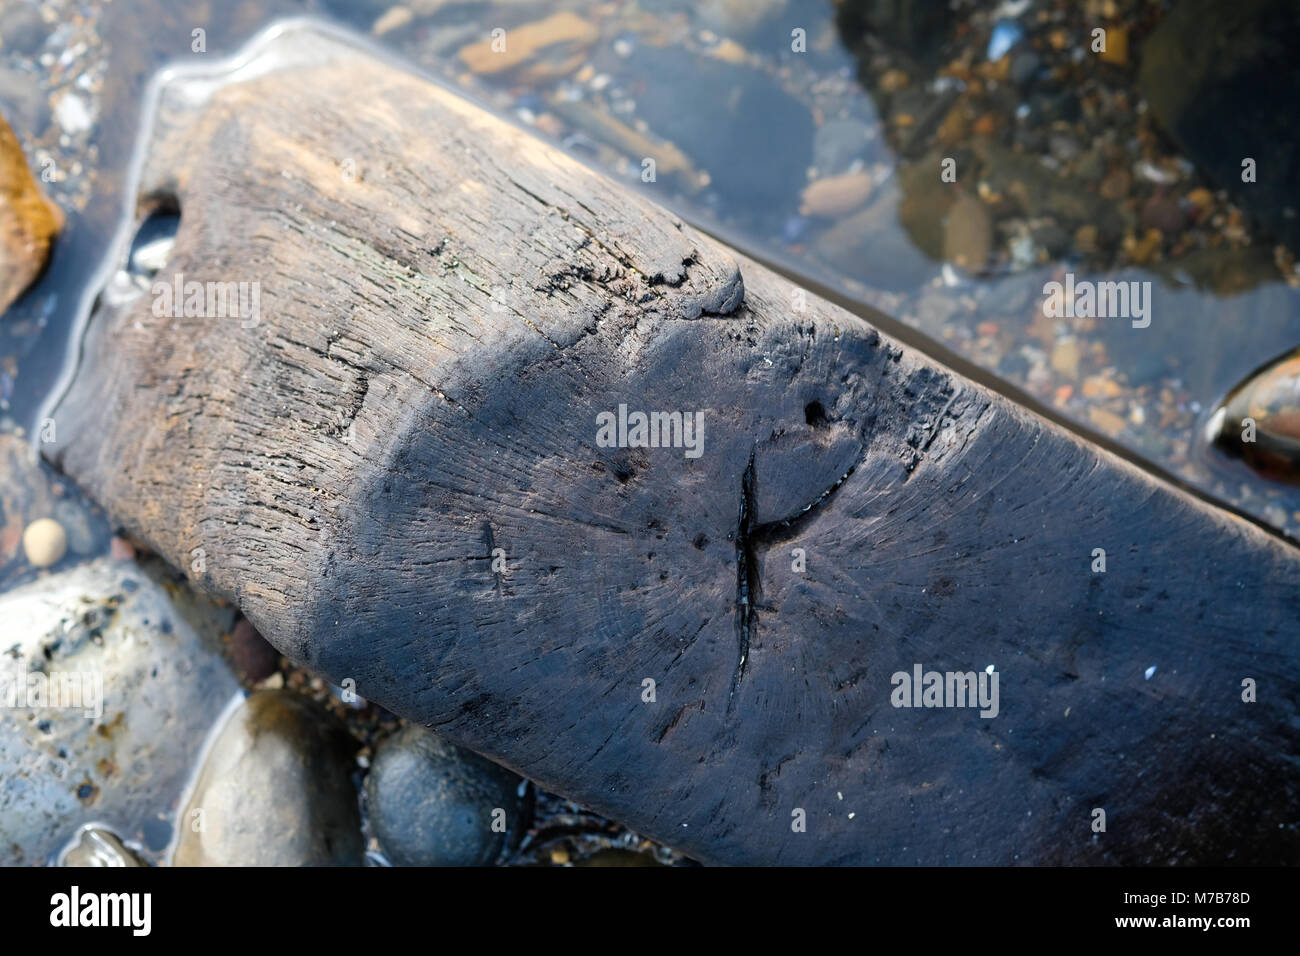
column 433, row 804
column 28, row 221
column 275, row 790
column 1163, row 212
column 1259, row 421
column 968, row 234
column 97, row 847
column 114, row 691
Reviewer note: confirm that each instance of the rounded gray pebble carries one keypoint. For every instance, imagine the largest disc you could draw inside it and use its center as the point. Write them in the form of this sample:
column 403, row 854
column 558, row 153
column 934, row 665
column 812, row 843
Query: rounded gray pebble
column 431, row 803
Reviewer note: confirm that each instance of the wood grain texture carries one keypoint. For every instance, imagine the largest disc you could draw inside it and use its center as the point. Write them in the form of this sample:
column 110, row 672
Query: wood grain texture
column 435, row 342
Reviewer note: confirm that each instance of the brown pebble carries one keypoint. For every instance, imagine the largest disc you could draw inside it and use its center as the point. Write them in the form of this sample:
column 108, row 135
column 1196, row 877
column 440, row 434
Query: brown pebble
column 836, row 195
column 1202, row 199
column 254, row 658
column 1085, row 238
column 1163, row 213
column 1143, row 250
column 1116, row 185
column 564, row 32
column 1098, row 386
column 729, row 51
column 953, row 128
column 893, row 80
column 1065, row 357
column 1107, row 421
column 393, row 19
column 968, row 234
column 1116, row 46
column 119, row 549
column 28, row 221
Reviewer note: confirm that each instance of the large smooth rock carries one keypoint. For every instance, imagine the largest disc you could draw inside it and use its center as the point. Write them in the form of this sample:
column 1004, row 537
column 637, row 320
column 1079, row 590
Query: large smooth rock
column 275, row 790
column 164, row 683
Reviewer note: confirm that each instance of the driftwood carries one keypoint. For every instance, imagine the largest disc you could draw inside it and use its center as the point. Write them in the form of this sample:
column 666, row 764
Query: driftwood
column 395, row 469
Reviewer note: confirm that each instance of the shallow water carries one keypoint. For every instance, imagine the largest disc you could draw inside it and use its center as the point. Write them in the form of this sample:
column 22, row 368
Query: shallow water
column 825, row 158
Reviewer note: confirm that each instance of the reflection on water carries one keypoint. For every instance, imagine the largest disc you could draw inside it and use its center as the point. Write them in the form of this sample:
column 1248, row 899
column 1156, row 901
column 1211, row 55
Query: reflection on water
column 943, row 167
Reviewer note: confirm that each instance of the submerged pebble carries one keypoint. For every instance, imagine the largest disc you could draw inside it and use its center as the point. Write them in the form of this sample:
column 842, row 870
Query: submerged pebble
column 835, row 196
column 44, row 542
column 968, row 234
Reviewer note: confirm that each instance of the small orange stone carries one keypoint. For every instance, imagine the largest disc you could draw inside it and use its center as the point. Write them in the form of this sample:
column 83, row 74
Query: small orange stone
column 893, row 80
column 1116, row 46
column 1201, row 198
column 1107, row 421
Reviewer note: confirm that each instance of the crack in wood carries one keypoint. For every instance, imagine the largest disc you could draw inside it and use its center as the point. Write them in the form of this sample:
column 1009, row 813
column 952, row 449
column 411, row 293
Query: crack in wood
column 752, row 539
column 746, row 576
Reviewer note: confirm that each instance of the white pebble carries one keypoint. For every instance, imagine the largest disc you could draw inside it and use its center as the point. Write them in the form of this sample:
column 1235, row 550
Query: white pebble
column 44, row 542
column 73, row 114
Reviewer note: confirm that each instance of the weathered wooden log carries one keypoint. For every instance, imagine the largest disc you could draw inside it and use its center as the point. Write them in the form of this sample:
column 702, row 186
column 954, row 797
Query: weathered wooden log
column 399, row 469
